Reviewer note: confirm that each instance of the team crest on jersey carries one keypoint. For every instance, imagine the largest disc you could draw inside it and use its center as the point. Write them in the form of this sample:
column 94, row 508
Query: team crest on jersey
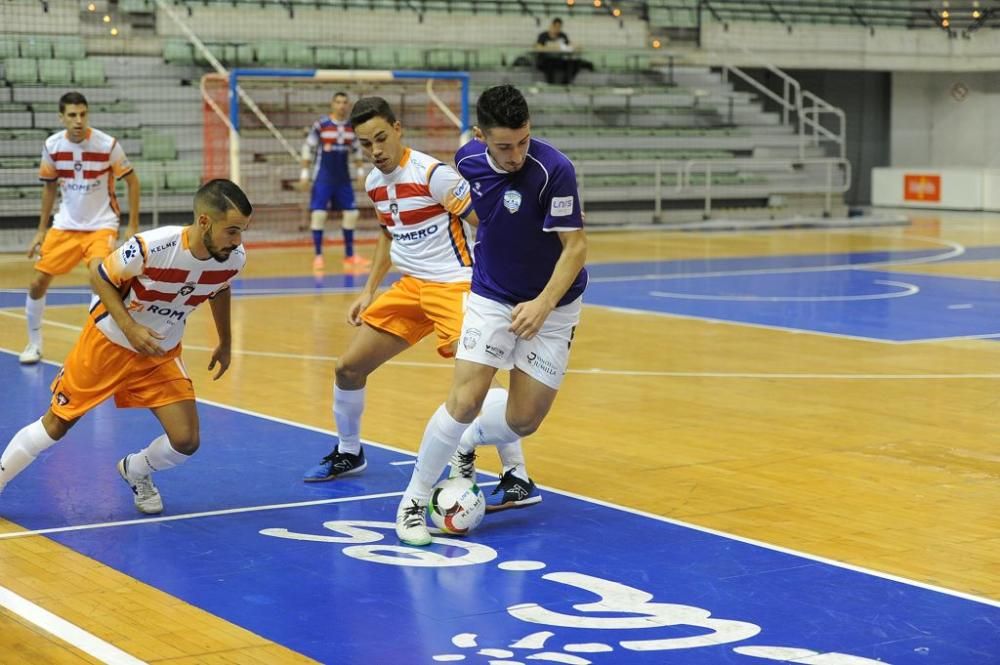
column 394, row 208
column 186, row 289
column 471, row 338
column 512, row 201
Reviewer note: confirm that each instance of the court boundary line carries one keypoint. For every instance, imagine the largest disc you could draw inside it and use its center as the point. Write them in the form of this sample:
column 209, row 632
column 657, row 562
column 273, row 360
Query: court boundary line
column 597, row 371
column 661, row 518
column 65, row 631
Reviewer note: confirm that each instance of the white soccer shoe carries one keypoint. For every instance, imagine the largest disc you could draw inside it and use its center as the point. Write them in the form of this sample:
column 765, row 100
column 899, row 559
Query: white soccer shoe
column 147, row 497
column 31, row 354
column 411, row 523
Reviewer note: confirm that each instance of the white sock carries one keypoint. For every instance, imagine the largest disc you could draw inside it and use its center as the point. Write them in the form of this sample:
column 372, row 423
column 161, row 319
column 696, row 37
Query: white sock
column 347, row 408
column 159, row 455
column 438, row 445
column 33, row 311
column 512, row 458
column 22, row 450
column 491, row 428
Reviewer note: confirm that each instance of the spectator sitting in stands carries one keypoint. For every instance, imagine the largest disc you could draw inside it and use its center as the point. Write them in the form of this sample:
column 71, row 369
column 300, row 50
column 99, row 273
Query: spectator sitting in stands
column 557, row 58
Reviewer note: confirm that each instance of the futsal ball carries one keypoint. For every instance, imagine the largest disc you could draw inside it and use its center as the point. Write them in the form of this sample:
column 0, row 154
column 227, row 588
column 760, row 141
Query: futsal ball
column 457, row 505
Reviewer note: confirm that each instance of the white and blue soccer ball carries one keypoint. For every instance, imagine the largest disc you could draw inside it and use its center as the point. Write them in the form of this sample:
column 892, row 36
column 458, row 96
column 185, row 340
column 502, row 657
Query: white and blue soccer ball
column 457, row 506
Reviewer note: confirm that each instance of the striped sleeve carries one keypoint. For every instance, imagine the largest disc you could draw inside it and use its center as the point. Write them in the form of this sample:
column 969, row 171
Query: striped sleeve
column 120, row 166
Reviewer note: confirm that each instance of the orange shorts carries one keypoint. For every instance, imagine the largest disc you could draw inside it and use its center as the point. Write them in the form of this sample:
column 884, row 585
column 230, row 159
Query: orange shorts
column 97, row 368
column 412, row 308
column 63, row 250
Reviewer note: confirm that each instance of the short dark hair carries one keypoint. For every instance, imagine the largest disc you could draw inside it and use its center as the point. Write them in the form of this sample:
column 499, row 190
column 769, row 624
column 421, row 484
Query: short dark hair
column 557, row 20
column 219, row 196
column 72, row 98
column 502, row 106
column 367, row 108
column 339, row 93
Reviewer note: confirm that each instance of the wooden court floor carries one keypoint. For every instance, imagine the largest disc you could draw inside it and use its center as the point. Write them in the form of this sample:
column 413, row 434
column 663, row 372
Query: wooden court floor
column 820, row 444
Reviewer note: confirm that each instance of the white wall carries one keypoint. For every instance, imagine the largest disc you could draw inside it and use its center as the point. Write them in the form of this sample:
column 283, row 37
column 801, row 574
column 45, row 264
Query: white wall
column 333, row 26
column 848, row 47
column 932, row 126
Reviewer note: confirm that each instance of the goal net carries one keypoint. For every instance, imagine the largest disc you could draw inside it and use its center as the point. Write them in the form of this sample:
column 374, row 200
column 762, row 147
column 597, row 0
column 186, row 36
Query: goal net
column 256, row 120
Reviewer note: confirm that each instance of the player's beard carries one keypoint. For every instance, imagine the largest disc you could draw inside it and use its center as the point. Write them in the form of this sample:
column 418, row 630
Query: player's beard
column 220, row 255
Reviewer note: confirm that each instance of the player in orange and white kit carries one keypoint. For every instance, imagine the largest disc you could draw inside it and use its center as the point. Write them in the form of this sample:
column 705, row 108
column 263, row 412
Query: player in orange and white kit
column 83, row 163
column 421, row 204
column 130, row 347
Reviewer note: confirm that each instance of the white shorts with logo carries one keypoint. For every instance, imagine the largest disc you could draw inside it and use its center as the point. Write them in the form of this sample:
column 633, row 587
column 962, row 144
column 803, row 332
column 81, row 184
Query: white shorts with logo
column 486, row 340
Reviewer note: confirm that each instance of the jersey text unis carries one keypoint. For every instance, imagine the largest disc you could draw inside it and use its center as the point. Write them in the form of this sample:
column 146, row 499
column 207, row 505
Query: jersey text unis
column 161, row 283
column 516, row 244
column 421, row 205
column 333, row 143
column 85, row 172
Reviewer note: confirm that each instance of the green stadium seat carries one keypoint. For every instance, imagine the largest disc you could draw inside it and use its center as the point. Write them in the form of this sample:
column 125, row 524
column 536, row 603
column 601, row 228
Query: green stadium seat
column 36, row 47
column 409, row 57
column 271, row 53
column 68, row 48
column 8, row 47
column 160, row 147
column 328, row 56
column 299, row 55
column 88, row 73
column 134, row 6
column 151, row 176
column 54, row 72
column 178, row 53
column 21, row 70
column 183, row 177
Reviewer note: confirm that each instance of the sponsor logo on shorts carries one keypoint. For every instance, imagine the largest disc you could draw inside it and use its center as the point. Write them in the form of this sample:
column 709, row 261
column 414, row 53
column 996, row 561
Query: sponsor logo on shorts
column 471, row 338
column 512, row 201
column 541, row 364
column 61, row 399
column 495, row 351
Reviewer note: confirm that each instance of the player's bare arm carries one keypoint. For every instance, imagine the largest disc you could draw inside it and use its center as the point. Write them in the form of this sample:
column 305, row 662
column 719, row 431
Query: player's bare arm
column 144, row 340
column 527, row 317
column 132, row 182
column 221, row 304
column 49, row 190
column 381, row 263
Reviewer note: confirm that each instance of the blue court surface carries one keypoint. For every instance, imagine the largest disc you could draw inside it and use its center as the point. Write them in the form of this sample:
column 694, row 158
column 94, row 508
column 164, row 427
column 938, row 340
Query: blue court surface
column 317, row 567
column 855, row 295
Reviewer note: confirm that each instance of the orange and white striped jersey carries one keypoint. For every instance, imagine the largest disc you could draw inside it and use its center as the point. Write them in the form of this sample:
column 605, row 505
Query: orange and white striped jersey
column 421, row 205
column 161, row 283
column 84, row 171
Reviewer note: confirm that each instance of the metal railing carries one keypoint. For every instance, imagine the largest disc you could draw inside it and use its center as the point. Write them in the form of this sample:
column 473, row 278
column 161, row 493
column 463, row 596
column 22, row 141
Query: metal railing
column 686, row 183
column 801, row 106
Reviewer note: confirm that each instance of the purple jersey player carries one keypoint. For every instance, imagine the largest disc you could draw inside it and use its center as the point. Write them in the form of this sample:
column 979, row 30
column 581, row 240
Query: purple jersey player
column 328, row 149
column 525, row 302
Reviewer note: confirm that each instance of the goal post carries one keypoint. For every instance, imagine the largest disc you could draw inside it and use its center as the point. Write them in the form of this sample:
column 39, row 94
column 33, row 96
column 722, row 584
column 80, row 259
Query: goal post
column 255, row 121
column 237, row 99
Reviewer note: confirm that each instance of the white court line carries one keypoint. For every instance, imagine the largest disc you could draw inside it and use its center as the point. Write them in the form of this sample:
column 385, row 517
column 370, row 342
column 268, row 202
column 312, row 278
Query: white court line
column 907, row 290
column 65, row 631
column 598, row 371
column 660, row 518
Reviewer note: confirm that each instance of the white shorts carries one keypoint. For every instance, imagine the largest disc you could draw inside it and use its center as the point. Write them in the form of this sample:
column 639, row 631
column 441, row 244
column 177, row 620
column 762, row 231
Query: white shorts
column 486, row 340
